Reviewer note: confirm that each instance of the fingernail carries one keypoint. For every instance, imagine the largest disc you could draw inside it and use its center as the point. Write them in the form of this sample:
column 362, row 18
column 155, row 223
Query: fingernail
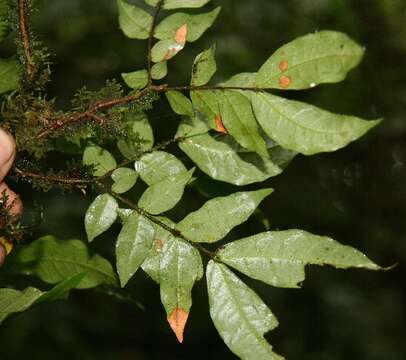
column 6, row 147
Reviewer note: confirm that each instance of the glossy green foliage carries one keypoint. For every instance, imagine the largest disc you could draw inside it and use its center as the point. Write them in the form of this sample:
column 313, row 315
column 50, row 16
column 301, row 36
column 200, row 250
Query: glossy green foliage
column 164, row 195
column 100, row 159
column 133, row 245
column 196, row 25
column 235, row 132
column 322, row 57
column 305, row 128
column 240, row 316
column 54, row 261
column 180, row 267
column 101, row 214
column 279, row 257
column 215, row 219
column 134, row 21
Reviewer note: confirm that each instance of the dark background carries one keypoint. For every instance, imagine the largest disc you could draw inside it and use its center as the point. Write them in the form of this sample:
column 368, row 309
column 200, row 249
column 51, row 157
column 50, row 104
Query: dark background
column 356, row 195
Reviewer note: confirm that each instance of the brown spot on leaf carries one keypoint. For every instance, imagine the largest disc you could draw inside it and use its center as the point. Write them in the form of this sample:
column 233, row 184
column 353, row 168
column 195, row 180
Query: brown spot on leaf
column 283, row 65
column 285, row 81
column 181, row 34
column 219, row 124
column 177, row 320
column 159, row 244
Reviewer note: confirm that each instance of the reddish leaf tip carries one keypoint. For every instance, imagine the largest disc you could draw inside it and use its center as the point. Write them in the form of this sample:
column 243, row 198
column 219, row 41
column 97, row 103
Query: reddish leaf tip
column 177, row 320
column 219, row 124
column 181, row 34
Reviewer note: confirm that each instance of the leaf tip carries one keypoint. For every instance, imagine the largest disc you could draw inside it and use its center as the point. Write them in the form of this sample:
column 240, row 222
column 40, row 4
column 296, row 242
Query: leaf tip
column 177, row 320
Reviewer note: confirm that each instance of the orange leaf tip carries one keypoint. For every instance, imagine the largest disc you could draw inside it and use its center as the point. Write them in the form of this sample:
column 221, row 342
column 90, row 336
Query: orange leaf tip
column 177, row 320
column 219, row 124
column 181, row 34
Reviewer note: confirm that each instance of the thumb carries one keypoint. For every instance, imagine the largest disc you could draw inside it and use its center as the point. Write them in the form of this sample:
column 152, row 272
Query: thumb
column 7, row 153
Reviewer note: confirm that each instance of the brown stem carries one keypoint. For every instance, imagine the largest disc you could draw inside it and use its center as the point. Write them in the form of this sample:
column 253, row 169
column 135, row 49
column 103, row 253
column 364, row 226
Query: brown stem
column 89, row 113
column 24, row 31
column 151, row 37
column 52, row 178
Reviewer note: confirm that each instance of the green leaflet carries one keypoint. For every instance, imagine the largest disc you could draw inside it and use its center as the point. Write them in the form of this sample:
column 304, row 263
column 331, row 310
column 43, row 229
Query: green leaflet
column 164, row 195
column 206, row 102
column 165, row 50
column 136, row 79
column 100, row 159
column 234, row 111
column 14, row 301
column 221, row 158
column 135, row 22
column 239, row 315
column 204, row 67
column 54, row 260
column 139, row 136
column 124, row 179
column 100, row 215
column 157, row 166
column 151, row 264
column 133, row 245
column 217, row 217
column 9, row 74
column 180, row 267
column 279, row 258
column 322, row 57
column 196, row 25
column 305, row 128
column 242, row 80
column 177, row 4
column 159, row 70
column 239, row 120
column 179, row 103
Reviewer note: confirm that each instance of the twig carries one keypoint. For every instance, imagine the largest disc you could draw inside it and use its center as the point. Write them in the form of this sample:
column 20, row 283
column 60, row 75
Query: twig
column 90, row 113
column 53, row 178
column 24, row 31
column 152, row 218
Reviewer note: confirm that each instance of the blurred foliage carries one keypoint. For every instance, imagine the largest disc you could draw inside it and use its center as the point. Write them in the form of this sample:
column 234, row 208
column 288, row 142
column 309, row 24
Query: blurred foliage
column 357, row 195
